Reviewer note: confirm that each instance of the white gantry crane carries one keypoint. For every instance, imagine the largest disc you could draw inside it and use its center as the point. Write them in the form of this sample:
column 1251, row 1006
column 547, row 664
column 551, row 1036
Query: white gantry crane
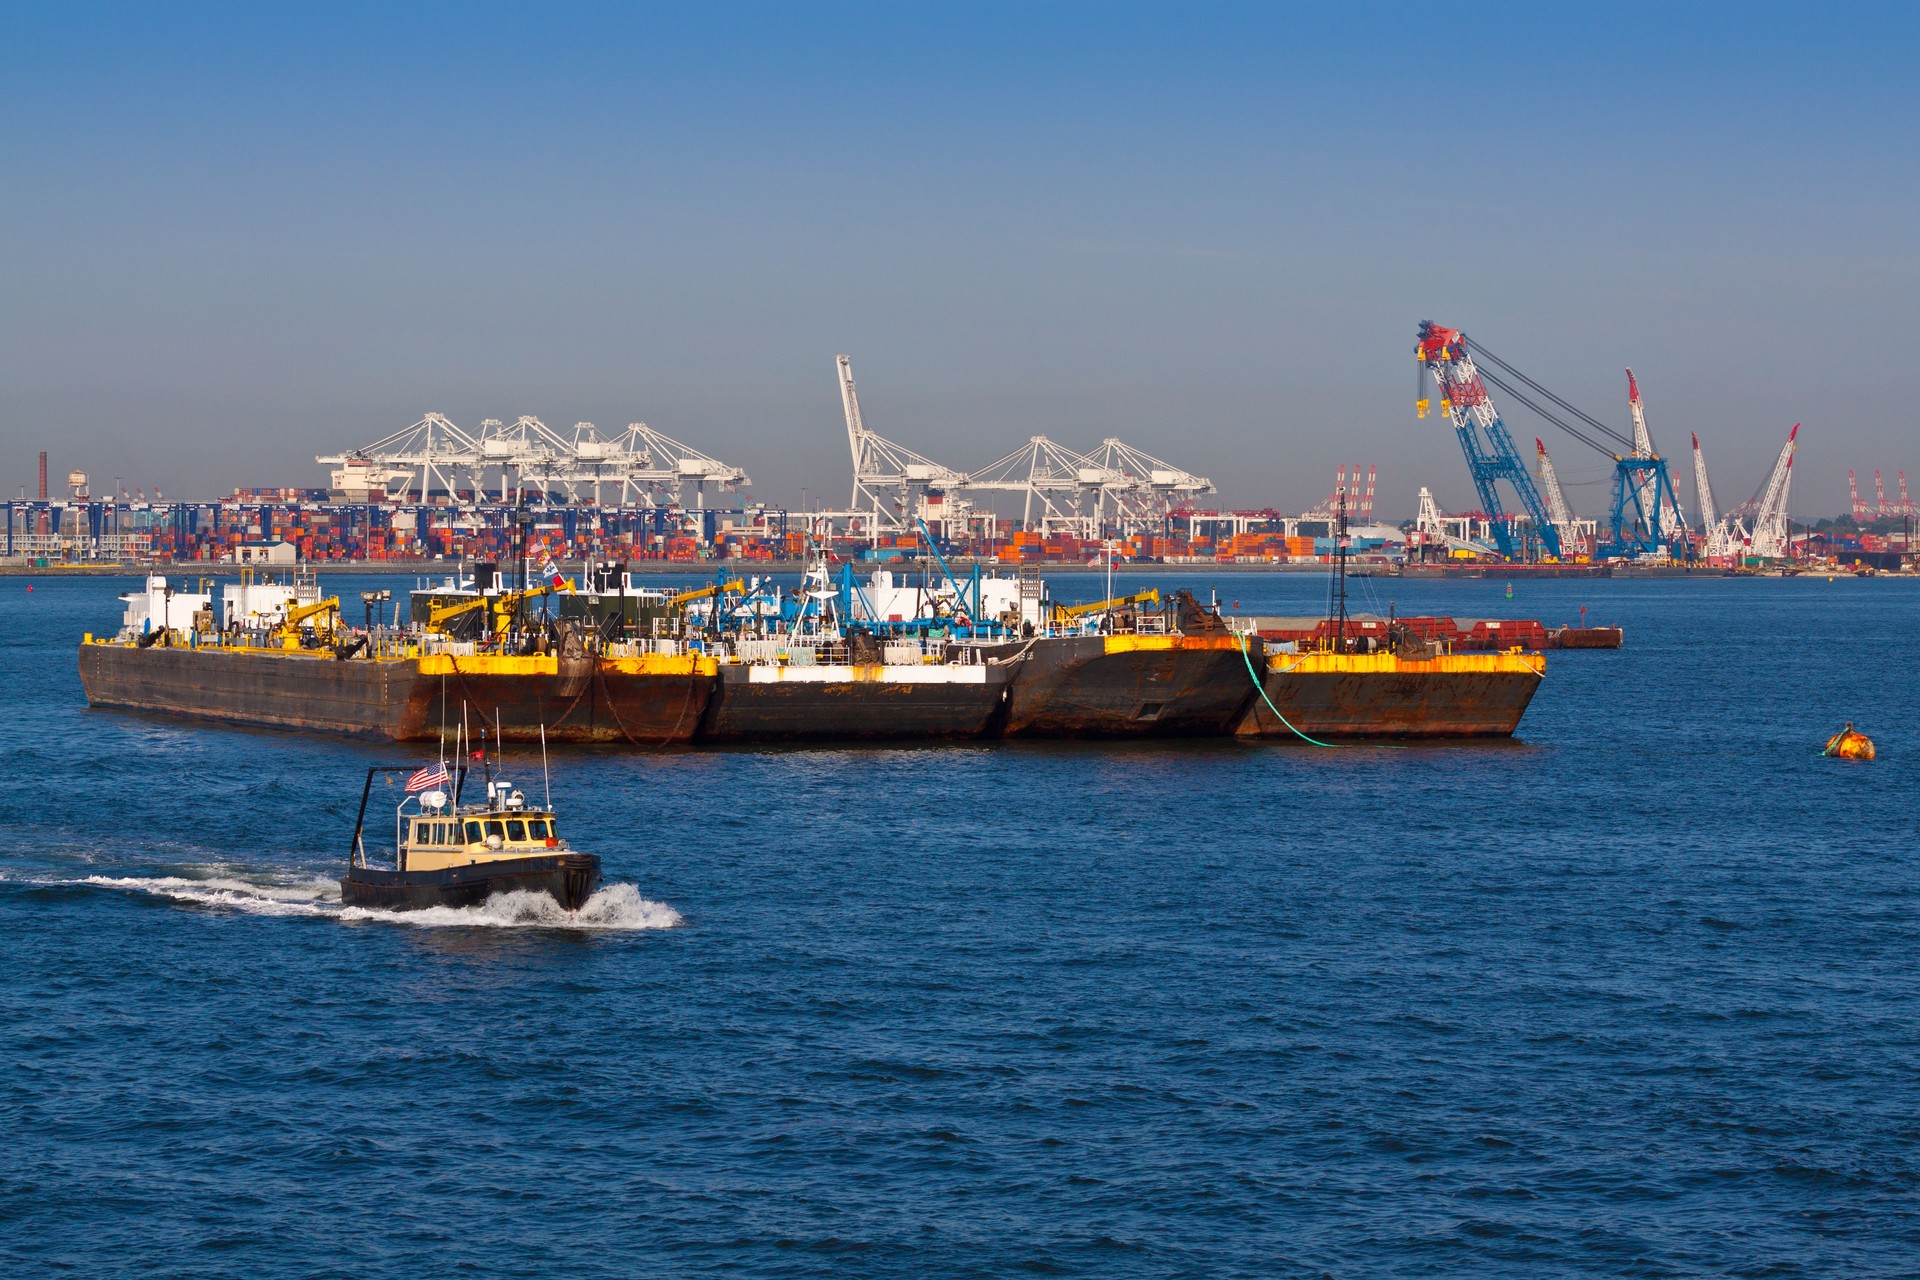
column 892, row 485
column 1047, row 475
column 1453, row 532
column 432, row 453
column 1133, row 490
column 1113, row 488
column 1557, row 509
column 504, row 462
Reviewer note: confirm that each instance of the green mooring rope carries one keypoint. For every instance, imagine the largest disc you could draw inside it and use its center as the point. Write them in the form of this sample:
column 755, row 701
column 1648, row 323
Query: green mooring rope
column 1247, row 657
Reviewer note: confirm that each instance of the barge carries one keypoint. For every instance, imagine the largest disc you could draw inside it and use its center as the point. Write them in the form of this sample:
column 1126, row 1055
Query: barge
column 1386, row 695
column 1171, row 671
column 733, row 664
column 407, row 696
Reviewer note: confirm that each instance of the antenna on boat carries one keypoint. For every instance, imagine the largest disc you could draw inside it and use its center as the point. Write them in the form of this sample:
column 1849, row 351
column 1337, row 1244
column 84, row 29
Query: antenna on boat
column 546, row 778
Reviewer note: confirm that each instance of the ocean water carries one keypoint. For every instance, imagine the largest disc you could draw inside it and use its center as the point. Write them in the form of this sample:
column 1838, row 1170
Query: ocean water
column 1635, row 995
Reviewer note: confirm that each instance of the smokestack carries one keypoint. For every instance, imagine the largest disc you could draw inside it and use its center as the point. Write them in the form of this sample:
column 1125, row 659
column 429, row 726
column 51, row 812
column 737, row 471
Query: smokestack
column 43, row 475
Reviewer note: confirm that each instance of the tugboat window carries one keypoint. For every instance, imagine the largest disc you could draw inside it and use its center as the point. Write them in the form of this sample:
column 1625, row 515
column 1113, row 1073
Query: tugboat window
column 495, row 829
column 516, row 830
column 473, row 833
column 537, row 829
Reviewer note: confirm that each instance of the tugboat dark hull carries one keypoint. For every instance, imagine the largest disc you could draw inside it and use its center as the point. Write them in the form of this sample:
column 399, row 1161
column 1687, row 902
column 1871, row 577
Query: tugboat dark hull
column 568, row 878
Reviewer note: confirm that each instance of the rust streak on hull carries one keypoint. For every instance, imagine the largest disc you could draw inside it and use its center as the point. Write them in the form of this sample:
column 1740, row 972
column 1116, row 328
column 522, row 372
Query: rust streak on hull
column 1121, row 686
column 1379, row 696
column 394, row 700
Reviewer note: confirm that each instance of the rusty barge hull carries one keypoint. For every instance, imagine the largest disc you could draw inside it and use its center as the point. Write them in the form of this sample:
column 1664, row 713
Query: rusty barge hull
column 278, row 691
column 639, row 702
column 1383, row 696
column 1126, row 686
column 1055, row 687
column 857, row 703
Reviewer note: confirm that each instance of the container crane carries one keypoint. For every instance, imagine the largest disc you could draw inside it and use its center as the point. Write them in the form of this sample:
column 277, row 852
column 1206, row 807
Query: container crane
column 1853, row 498
column 880, row 465
column 1880, row 508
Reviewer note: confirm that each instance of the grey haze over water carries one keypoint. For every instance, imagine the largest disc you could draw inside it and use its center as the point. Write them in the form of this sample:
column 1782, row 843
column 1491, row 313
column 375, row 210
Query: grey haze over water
column 235, row 238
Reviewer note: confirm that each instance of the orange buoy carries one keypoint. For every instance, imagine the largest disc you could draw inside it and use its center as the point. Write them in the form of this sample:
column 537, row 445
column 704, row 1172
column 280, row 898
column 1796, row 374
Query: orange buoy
column 1848, row 744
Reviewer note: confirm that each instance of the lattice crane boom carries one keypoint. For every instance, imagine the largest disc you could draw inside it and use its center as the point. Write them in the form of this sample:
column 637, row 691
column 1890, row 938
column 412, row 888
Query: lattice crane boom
column 1489, row 449
column 1557, row 509
column 1671, row 517
column 1702, row 487
column 1770, row 537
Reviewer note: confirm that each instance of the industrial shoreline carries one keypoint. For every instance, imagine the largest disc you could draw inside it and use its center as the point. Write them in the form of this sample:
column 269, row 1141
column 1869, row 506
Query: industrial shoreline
column 695, row 569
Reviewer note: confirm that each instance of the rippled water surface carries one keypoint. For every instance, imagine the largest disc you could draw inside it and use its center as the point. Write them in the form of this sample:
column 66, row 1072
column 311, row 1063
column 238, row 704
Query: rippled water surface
column 1635, row 995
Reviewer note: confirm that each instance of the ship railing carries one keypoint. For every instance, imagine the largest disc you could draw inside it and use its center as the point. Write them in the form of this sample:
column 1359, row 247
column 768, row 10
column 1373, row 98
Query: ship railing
column 771, row 653
column 434, row 644
column 913, row 653
column 761, row 650
column 641, row 648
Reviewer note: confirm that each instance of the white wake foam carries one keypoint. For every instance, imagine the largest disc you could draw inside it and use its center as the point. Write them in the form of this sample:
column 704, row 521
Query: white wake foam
column 276, row 896
column 613, row 907
column 616, row 906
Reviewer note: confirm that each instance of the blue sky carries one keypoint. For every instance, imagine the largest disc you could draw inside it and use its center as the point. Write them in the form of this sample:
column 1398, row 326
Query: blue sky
column 235, row 236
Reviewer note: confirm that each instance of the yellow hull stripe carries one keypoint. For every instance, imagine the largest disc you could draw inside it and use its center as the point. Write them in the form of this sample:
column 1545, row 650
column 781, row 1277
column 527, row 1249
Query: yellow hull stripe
column 1374, row 663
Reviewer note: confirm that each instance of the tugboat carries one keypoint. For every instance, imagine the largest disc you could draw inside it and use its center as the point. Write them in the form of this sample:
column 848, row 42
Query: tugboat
column 447, row 854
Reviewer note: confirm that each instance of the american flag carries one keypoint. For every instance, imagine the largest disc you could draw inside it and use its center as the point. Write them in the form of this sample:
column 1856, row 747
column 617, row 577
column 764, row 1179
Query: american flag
column 433, row 775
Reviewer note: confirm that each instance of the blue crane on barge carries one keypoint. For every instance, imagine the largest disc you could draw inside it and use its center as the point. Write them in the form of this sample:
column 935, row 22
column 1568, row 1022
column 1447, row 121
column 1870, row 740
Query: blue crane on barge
column 1645, row 515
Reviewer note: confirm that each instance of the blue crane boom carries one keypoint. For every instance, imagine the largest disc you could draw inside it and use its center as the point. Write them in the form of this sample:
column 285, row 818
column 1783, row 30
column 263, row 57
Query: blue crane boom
column 1491, row 456
column 1645, row 517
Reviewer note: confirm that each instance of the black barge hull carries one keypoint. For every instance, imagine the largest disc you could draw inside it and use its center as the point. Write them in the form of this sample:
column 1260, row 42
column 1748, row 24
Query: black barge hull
column 1125, row 686
column 862, row 703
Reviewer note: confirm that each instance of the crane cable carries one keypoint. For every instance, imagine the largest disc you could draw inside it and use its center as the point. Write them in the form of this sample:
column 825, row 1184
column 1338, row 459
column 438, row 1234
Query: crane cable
column 1581, row 414
column 1508, row 389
